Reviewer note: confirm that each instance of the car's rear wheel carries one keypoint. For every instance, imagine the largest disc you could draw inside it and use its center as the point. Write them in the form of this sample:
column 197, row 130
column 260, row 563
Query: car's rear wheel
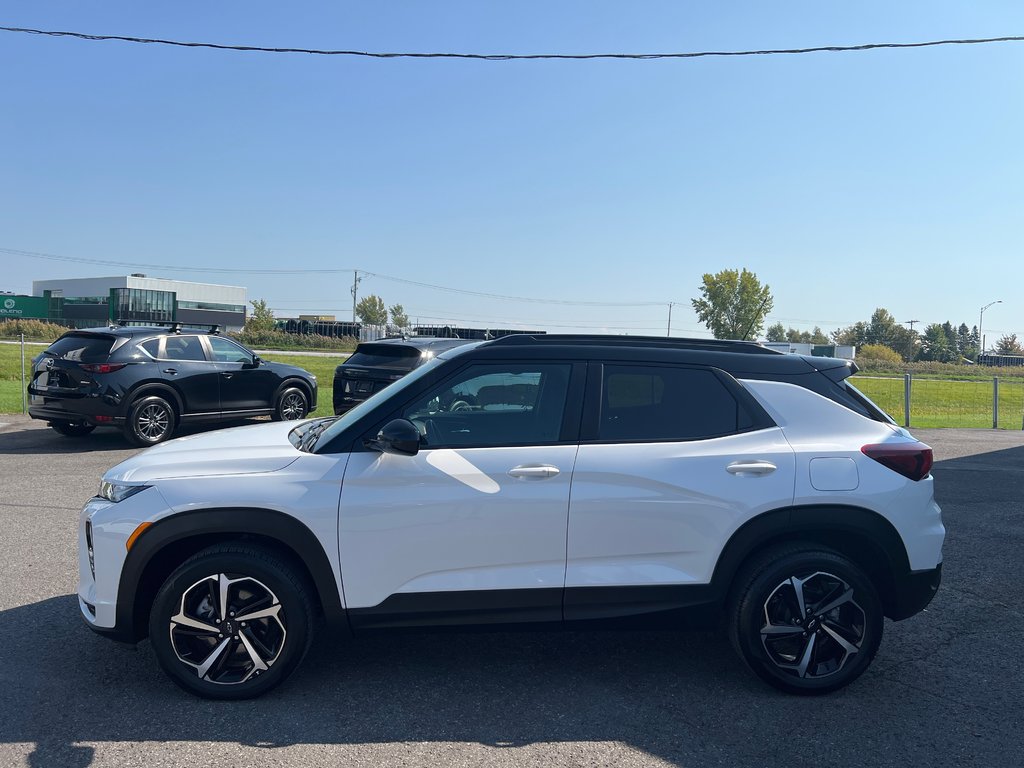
column 291, row 404
column 68, row 429
column 151, row 420
column 805, row 619
column 231, row 622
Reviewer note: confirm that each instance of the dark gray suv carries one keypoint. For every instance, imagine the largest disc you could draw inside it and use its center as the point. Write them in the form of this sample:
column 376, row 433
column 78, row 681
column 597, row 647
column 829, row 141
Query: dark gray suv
column 375, row 364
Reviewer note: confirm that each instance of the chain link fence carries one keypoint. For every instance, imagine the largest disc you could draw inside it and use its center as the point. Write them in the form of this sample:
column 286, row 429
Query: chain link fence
column 921, row 402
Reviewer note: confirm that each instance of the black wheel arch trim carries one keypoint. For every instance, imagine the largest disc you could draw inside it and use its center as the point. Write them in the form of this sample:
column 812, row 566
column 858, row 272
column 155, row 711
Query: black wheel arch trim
column 860, row 534
column 144, row 561
column 297, row 381
column 158, row 389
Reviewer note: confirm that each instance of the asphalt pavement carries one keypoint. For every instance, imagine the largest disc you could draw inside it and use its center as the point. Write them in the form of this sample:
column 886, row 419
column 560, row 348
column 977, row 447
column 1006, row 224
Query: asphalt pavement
column 944, row 690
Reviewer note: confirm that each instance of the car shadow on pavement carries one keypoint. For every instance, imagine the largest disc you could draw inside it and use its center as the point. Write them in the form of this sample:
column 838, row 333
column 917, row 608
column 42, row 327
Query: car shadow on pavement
column 37, row 438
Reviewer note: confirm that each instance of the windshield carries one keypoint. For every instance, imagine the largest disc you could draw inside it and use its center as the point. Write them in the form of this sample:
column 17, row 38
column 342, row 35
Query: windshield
column 350, row 417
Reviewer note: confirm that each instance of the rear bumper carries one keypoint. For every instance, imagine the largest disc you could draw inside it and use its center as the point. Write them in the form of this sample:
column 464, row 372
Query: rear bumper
column 75, row 410
column 913, row 592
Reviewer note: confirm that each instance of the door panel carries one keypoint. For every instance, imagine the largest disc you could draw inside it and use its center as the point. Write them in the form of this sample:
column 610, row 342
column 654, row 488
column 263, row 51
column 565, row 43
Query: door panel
column 450, row 520
column 243, row 387
column 660, row 513
column 184, row 366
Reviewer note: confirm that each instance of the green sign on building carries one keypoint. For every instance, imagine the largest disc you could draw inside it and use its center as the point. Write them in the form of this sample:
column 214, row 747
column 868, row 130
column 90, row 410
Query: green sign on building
column 23, row 308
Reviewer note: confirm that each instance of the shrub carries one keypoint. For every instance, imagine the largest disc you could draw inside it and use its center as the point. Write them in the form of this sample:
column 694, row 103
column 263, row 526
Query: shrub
column 878, row 352
column 34, row 330
column 282, row 340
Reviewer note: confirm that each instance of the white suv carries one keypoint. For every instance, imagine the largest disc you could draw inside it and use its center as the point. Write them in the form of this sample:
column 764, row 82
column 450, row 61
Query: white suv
column 589, row 480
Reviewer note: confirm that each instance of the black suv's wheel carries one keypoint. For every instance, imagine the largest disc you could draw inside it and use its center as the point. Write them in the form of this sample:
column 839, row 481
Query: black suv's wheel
column 291, row 404
column 231, row 622
column 68, row 429
column 151, row 420
column 805, row 619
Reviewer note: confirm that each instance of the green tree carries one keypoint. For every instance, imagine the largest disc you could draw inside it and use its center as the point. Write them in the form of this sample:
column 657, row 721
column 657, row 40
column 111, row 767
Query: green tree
column 967, row 341
column 733, row 304
column 371, row 310
column 937, row 344
column 776, row 332
column 262, row 318
column 398, row 316
column 1008, row 345
column 881, row 329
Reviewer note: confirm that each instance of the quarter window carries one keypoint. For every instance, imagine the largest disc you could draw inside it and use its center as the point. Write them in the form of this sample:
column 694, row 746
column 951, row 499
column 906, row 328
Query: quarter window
column 655, row 403
column 494, row 405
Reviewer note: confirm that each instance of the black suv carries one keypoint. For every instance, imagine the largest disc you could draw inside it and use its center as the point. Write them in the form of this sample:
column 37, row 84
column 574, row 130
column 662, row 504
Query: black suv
column 148, row 381
column 375, row 364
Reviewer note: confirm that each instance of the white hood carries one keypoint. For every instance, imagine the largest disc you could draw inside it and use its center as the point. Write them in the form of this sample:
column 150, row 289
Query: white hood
column 237, row 451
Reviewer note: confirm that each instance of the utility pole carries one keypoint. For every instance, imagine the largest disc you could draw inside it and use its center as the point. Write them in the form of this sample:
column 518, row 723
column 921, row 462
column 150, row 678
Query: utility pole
column 670, row 318
column 356, row 280
column 911, row 323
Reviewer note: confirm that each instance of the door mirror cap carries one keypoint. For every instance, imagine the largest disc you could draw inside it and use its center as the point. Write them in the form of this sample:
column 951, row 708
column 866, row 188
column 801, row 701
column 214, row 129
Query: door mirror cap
column 399, row 436
column 255, row 362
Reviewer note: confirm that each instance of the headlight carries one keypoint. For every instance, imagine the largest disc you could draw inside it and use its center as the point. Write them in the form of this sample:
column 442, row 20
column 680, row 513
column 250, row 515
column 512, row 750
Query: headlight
column 118, row 491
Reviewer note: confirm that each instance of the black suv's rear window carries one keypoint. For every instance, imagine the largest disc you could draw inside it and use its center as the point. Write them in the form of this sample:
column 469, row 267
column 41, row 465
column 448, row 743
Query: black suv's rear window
column 83, row 347
column 385, row 356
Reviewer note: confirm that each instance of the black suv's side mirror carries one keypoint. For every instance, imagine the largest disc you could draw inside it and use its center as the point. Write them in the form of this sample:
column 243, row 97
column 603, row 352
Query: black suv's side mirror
column 399, row 436
column 254, row 362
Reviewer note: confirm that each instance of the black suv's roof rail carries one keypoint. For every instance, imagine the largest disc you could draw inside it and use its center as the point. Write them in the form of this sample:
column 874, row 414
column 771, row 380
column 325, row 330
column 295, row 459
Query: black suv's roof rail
column 714, row 345
column 173, row 326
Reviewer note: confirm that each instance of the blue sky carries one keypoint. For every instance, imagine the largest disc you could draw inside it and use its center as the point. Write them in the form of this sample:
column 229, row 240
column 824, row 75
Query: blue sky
column 845, row 181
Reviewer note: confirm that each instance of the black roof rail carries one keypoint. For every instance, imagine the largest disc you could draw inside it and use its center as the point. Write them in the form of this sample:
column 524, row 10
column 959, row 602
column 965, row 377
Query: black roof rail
column 174, row 326
column 215, row 329
column 710, row 345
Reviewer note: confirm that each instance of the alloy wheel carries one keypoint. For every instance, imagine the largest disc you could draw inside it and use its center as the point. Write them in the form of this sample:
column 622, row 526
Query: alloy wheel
column 293, row 406
column 228, row 629
column 153, row 421
column 812, row 625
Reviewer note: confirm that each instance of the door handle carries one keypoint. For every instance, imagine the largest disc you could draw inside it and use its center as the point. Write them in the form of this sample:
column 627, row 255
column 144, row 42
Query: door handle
column 226, row 374
column 171, row 371
column 533, row 471
column 751, row 468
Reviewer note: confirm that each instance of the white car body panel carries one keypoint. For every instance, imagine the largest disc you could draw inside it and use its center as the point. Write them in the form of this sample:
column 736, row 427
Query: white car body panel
column 821, row 429
column 660, row 513
column 207, row 471
column 452, row 520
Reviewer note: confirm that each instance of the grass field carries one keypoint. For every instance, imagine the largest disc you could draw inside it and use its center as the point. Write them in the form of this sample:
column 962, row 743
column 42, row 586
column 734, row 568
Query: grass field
column 933, row 402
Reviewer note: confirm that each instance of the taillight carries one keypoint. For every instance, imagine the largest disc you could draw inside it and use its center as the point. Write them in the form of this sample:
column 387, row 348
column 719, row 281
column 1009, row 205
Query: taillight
column 912, row 460
column 101, row 367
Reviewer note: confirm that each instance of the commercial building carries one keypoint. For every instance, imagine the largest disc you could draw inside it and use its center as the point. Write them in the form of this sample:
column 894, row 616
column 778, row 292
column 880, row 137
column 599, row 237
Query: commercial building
column 135, row 299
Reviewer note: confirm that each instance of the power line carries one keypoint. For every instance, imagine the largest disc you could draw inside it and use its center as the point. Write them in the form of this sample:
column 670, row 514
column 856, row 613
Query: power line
column 332, row 271
column 513, row 56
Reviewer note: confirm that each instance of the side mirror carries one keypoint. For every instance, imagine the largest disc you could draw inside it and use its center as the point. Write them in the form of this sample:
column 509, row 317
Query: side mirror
column 399, row 436
column 255, row 362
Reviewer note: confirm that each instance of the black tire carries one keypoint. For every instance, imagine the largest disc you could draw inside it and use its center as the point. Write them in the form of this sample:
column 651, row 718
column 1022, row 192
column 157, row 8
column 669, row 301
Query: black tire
column 818, row 651
column 192, row 592
column 151, row 420
column 68, row 429
column 291, row 404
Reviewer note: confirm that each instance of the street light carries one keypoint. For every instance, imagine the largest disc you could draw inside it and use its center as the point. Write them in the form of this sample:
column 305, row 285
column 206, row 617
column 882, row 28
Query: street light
column 981, row 318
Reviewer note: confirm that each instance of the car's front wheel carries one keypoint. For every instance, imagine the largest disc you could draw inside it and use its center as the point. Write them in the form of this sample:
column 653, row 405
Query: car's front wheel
column 805, row 619
column 291, row 404
column 231, row 622
column 68, row 429
column 151, row 420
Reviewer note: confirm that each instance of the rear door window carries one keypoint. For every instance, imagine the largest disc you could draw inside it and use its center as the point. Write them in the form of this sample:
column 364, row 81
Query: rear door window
column 659, row 403
column 82, row 347
column 184, row 348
